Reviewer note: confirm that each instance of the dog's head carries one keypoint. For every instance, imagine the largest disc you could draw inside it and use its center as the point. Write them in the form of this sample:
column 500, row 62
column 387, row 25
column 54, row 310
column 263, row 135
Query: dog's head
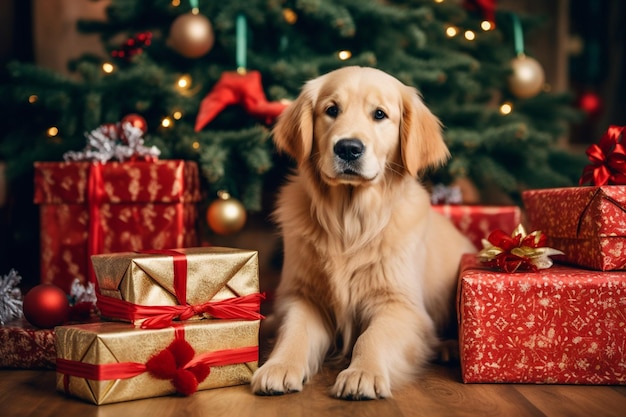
column 356, row 124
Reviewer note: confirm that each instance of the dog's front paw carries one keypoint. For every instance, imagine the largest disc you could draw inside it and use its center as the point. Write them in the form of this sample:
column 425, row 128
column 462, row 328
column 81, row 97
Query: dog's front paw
column 277, row 379
column 360, row 384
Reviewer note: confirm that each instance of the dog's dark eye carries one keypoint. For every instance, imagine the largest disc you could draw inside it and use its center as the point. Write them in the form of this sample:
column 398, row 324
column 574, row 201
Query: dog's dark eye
column 379, row 114
column 332, row 111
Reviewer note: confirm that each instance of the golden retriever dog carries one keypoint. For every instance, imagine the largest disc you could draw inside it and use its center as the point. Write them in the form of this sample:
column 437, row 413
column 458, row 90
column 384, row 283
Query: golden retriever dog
column 369, row 267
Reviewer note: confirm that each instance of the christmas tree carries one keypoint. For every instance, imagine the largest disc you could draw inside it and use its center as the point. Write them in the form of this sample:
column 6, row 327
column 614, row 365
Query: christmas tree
column 206, row 80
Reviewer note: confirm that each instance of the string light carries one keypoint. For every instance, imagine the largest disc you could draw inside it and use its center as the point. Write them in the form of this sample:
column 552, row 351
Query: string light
column 344, row 55
column 195, row 145
column 166, row 122
column 184, row 82
column 486, row 25
column 438, row 1
column 52, row 131
column 177, row 115
column 290, row 16
column 469, row 35
column 175, row 3
column 506, row 108
column 107, row 67
column 451, row 31
column 33, row 98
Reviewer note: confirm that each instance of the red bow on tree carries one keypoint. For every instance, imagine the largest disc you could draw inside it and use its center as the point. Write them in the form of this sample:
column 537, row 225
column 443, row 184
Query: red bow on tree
column 608, row 160
column 244, row 89
column 519, row 251
column 486, row 7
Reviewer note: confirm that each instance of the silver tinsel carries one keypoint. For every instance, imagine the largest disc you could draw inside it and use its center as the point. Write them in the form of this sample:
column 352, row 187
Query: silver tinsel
column 10, row 297
column 82, row 293
column 105, row 144
column 442, row 194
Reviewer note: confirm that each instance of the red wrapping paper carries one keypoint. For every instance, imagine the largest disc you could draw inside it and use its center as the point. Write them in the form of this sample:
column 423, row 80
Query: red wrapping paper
column 23, row 346
column 560, row 325
column 90, row 208
column 587, row 223
column 476, row 222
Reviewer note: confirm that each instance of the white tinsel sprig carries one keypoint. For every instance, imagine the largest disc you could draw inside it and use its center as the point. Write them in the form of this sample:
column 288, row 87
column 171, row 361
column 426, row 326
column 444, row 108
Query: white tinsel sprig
column 442, row 194
column 10, row 297
column 105, row 144
column 82, row 293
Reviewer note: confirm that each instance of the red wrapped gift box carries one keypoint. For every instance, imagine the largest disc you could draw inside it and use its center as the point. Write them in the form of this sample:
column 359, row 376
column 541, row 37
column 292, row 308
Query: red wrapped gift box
column 23, row 346
column 560, row 325
column 89, row 208
column 476, row 222
column 587, row 223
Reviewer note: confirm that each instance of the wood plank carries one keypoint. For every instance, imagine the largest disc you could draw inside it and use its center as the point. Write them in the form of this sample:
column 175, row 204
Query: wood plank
column 576, row 400
column 438, row 393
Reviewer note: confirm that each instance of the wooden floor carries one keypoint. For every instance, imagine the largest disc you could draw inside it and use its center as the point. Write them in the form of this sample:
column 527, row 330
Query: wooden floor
column 438, row 393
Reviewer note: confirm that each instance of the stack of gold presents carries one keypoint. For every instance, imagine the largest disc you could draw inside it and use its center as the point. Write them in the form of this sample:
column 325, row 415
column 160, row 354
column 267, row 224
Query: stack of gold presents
column 177, row 321
column 173, row 320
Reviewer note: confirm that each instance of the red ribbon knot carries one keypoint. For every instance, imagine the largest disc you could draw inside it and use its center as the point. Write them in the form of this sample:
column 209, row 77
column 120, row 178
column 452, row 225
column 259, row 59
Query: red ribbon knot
column 608, row 160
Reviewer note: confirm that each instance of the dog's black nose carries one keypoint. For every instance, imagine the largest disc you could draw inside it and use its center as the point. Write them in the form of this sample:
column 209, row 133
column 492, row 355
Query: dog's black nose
column 349, row 149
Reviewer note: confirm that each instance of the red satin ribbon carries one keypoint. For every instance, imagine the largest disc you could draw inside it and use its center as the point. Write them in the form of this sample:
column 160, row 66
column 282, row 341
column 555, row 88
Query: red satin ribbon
column 180, row 271
column 184, row 361
column 240, row 308
column 95, row 197
column 608, row 160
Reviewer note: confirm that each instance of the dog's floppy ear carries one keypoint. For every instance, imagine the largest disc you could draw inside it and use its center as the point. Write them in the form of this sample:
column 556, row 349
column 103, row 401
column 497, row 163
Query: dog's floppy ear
column 421, row 141
column 293, row 132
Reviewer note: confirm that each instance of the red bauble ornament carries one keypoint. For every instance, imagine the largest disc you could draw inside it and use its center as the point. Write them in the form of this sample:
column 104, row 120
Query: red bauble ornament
column 46, row 306
column 590, row 103
column 136, row 120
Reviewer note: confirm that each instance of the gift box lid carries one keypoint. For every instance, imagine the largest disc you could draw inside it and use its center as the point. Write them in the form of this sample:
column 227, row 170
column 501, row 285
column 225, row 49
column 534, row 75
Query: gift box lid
column 577, row 212
column 153, row 278
column 162, row 181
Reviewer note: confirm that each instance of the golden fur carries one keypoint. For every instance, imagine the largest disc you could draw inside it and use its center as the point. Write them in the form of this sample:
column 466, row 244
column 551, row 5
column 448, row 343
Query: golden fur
column 366, row 259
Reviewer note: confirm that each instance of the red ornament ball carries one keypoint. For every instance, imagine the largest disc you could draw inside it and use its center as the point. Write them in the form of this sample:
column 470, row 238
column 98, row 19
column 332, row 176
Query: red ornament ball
column 136, row 120
column 46, row 306
column 590, row 102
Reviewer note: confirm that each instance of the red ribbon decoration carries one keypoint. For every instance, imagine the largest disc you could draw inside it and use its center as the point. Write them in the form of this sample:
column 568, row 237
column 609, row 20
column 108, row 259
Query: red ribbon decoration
column 507, row 261
column 156, row 317
column 95, row 196
column 518, row 251
column 177, row 363
column 241, row 308
column 608, row 160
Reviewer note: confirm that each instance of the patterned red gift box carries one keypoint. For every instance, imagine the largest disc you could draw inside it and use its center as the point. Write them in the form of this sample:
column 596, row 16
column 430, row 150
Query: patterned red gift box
column 23, row 346
column 560, row 325
column 476, row 222
column 89, row 208
column 587, row 223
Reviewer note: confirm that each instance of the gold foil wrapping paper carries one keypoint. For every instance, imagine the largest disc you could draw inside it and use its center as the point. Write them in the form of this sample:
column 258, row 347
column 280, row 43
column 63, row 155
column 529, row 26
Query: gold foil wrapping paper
column 115, row 342
column 213, row 274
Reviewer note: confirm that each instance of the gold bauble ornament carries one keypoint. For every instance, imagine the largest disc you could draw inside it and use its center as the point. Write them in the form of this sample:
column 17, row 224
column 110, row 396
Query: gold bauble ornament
column 191, row 35
column 226, row 215
column 527, row 79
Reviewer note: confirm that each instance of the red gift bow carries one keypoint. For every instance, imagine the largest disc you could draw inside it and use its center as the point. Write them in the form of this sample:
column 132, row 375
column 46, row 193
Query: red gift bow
column 520, row 251
column 242, row 308
column 157, row 317
column 608, row 160
column 177, row 362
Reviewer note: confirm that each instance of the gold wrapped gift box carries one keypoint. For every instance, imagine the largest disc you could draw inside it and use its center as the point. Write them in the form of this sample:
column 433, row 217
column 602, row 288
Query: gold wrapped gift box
column 91, row 357
column 159, row 279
